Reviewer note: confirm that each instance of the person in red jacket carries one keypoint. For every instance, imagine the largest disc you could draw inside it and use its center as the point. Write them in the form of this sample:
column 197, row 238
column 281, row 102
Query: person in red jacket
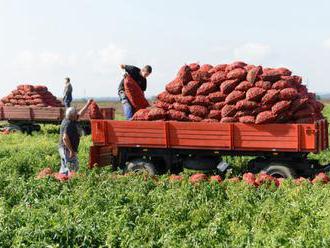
column 140, row 77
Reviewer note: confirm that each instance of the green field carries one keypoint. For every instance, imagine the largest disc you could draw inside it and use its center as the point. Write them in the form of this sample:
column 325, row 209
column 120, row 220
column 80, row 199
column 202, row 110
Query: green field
column 104, row 209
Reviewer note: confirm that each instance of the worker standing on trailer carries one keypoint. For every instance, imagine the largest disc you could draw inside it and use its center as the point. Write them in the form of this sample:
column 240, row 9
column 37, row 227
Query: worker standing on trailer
column 140, row 77
column 67, row 96
column 70, row 138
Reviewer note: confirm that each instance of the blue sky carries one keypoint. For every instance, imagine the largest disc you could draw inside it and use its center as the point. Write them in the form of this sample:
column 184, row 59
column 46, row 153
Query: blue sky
column 43, row 41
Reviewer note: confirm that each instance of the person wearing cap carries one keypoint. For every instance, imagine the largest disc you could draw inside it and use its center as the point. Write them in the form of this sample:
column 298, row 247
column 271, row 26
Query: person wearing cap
column 140, row 76
column 67, row 95
column 70, row 133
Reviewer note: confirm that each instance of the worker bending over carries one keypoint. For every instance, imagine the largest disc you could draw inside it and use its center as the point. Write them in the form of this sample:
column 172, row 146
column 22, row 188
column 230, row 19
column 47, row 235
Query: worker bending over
column 70, row 133
column 140, row 77
column 67, row 94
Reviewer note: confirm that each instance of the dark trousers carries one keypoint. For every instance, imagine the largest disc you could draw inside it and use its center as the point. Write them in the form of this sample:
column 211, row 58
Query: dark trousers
column 67, row 103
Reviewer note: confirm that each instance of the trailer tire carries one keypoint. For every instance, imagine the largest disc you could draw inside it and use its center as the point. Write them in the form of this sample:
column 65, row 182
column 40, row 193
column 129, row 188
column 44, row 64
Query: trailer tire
column 13, row 128
column 140, row 166
column 279, row 171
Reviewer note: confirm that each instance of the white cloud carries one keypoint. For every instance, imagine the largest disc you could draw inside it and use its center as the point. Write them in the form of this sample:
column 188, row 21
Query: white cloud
column 326, row 43
column 25, row 59
column 55, row 59
column 112, row 54
column 252, row 52
column 100, row 66
column 29, row 60
column 223, row 48
column 98, row 61
column 106, row 58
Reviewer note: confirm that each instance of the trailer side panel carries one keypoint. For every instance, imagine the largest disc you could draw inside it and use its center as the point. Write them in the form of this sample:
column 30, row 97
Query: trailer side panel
column 212, row 136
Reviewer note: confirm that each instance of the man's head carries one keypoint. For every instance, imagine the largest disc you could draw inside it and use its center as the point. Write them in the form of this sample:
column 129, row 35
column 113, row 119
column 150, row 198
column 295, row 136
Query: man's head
column 67, row 80
column 71, row 114
column 146, row 71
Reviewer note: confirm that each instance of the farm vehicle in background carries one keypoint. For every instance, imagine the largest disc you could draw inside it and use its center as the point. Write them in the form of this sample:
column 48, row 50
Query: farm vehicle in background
column 28, row 119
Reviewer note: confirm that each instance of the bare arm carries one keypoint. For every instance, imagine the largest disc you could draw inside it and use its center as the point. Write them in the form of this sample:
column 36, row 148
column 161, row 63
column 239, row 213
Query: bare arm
column 67, row 143
column 84, row 109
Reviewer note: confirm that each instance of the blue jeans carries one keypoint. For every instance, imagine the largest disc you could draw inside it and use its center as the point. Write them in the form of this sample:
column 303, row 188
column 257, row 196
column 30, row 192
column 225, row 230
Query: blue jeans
column 128, row 110
column 67, row 164
column 127, row 107
column 67, row 103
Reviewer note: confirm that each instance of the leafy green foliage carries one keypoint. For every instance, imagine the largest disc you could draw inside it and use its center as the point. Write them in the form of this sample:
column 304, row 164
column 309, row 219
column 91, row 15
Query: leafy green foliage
column 103, row 209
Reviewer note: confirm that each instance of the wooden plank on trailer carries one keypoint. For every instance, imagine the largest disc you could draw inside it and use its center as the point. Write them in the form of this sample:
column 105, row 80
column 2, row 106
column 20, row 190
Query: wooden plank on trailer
column 1, row 113
column 40, row 114
column 309, row 137
column 199, row 135
column 275, row 145
column 98, row 132
column 269, row 137
column 16, row 113
column 136, row 133
column 326, row 134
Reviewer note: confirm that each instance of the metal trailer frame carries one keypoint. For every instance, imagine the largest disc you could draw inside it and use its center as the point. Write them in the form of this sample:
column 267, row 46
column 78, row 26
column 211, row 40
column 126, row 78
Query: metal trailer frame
column 169, row 145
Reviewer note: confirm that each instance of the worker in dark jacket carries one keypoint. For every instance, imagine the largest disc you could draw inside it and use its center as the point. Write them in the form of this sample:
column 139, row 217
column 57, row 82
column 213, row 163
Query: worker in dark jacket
column 70, row 138
column 140, row 77
column 67, row 95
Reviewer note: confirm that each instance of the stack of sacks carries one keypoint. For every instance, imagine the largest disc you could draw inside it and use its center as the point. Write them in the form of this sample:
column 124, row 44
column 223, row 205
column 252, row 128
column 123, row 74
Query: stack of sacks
column 234, row 92
column 29, row 95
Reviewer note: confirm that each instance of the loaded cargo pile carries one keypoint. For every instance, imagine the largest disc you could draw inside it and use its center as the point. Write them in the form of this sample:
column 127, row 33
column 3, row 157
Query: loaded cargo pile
column 234, row 92
column 29, row 95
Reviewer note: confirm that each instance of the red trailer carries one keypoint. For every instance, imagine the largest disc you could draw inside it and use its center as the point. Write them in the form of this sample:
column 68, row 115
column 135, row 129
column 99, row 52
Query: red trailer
column 27, row 119
column 161, row 146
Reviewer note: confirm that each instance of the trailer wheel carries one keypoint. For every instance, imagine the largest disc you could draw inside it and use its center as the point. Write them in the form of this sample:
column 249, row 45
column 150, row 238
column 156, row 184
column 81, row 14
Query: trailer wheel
column 13, row 128
column 140, row 166
column 279, row 171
